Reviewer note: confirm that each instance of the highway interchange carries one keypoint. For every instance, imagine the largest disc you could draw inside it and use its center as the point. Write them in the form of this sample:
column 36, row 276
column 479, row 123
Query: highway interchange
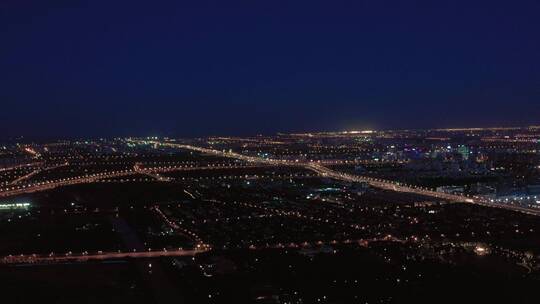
column 252, row 161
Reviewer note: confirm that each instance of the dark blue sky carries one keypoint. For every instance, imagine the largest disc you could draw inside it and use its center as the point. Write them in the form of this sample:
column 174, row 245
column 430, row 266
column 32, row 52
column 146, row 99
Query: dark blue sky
column 189, row 68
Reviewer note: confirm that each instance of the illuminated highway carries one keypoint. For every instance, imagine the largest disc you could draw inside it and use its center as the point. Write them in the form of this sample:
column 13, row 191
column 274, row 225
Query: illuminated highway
column 66, row 258
column 36, row 171
column 46, row 185
column 102, row 256
column 18, row 188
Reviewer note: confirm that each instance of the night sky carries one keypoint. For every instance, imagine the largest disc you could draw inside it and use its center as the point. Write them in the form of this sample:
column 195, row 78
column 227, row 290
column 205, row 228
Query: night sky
column 191, row 68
